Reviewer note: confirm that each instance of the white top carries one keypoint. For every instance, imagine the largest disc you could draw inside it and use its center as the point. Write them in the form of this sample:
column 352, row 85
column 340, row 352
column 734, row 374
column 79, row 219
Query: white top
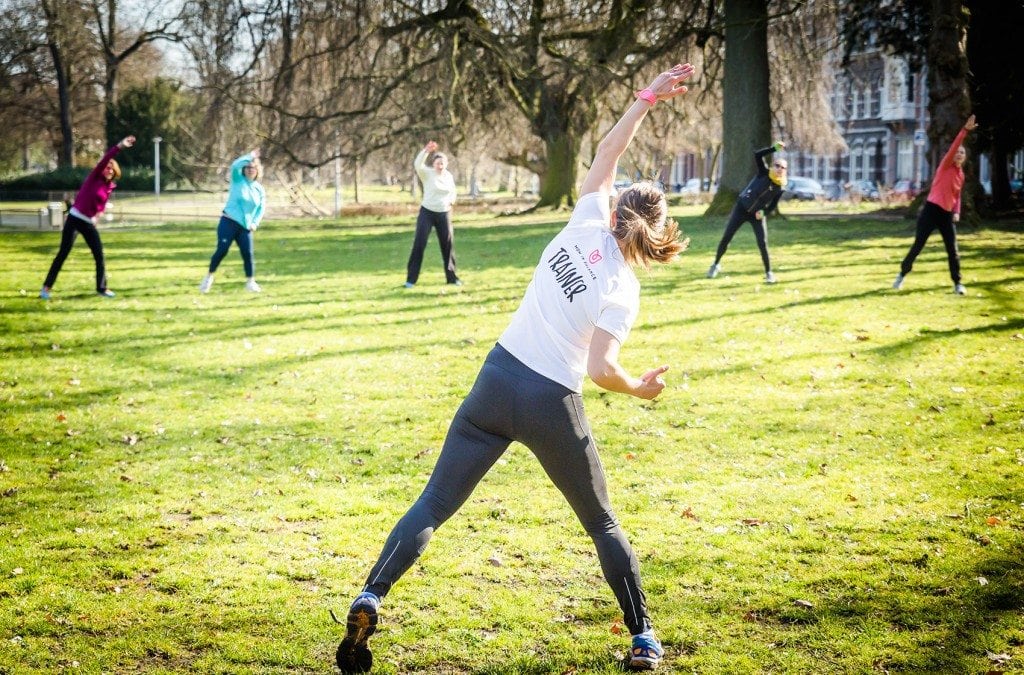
column 438, row 188
column 581, row 283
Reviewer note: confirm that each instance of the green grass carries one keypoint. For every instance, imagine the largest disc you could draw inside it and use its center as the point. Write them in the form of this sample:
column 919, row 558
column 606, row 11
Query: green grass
column 189, row 482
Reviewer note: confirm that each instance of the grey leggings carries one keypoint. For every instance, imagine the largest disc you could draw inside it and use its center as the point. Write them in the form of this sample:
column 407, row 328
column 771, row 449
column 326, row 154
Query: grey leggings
column 510, row 402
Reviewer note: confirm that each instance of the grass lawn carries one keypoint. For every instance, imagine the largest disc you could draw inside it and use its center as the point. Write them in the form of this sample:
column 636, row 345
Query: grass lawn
column 832, row 482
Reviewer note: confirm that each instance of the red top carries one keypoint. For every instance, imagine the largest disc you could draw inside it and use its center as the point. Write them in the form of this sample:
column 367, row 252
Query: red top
column 949, row 179
column 95, row 191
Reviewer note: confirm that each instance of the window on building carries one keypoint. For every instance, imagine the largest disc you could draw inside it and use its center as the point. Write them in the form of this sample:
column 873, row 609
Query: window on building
column 857, row 108
column 905, row 160
column 911, row 86
column 876, row 100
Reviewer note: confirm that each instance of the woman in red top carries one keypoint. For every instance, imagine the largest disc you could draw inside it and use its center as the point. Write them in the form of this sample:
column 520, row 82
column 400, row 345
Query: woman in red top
column 90, row 202
column 942, row 210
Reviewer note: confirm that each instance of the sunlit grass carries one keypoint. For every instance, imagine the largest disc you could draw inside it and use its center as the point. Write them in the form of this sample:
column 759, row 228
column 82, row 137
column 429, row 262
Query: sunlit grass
column 832, row 481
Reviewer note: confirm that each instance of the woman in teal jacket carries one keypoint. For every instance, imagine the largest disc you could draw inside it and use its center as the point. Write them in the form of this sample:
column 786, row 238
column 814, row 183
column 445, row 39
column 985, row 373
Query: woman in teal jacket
column 242, row 214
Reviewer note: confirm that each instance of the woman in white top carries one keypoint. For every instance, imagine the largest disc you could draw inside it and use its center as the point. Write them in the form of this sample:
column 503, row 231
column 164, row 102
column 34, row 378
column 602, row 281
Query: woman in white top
column 435, row 213
column 576, row 313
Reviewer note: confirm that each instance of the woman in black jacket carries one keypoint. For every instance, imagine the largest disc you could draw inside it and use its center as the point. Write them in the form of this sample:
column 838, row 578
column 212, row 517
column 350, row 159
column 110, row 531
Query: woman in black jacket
column 759, row 197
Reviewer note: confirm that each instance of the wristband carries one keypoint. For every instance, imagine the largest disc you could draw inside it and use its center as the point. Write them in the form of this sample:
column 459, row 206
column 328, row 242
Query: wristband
column 647, row 95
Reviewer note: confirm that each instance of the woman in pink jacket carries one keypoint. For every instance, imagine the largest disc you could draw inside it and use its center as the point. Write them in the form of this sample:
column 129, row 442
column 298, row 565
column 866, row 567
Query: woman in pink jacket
column 90, row 202
column 942, row 210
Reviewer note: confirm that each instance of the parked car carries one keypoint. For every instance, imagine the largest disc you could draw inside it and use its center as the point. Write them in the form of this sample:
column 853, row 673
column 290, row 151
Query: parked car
column 833, row 190
column 804, row 189
column 693, row 187
column 903, row 189
column 865, row 189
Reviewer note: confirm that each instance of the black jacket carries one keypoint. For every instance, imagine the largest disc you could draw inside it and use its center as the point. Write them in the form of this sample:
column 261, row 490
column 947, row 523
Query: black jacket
column 762, row 193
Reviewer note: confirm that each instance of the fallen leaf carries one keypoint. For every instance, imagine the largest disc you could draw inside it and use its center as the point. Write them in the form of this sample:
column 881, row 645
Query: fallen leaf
column 130, row 439
column 982, row 581
column 753, row 522
column 803, row 603
column 495, row 561
column 126, row 478
column 74, row 382
column 990, row 422
column 998, row 658
column 751, row 616
column 851, row 498
column 958, row 390
column 16, row 571
column 630, row 455
column 616, row 628
column 61, row 417
column 688, row 513
column 993, row 520
column 984, row 540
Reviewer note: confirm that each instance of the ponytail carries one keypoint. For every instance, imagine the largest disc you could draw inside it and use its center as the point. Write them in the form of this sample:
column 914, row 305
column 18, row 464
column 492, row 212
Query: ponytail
column 642, row 227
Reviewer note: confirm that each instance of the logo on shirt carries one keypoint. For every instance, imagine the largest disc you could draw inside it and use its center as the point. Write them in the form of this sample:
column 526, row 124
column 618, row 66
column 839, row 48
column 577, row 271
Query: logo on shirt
column 566, row 274
column 595, row 257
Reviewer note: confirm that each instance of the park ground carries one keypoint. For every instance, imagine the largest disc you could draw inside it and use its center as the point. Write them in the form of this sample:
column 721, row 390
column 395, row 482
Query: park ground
column 830, row 483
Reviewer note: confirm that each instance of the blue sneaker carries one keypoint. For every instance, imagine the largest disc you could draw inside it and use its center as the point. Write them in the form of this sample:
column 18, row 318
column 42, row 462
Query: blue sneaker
column 44, row 293
column 646, row 652
column 106, row 293
column 353, row 655
column 409, row 284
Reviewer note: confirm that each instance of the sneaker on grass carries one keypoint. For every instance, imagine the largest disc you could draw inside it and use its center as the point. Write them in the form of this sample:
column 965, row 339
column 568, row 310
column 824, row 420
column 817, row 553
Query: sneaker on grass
column 353, row 654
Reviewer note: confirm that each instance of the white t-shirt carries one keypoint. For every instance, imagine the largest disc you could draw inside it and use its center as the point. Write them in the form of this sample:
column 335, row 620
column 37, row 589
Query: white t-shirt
column 438, row 188
column 582, row 282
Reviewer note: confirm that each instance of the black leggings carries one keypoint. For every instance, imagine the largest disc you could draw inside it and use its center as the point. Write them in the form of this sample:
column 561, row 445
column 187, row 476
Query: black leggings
column 510, row 402
column 72, row 226
column 441, row 222
column 934, row 217
column 739, row 216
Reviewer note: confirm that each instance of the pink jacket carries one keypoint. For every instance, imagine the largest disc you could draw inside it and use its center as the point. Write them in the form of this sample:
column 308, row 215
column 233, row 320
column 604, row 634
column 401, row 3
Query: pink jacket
column 949, row 179
column 95, row 191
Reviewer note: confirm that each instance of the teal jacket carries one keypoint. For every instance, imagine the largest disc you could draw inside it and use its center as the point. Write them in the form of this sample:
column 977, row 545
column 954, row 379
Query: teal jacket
column 246, row 198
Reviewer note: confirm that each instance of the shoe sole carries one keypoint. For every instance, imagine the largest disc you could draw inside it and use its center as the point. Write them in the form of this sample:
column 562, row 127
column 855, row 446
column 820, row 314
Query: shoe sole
column 353, row 655
column 641, row 663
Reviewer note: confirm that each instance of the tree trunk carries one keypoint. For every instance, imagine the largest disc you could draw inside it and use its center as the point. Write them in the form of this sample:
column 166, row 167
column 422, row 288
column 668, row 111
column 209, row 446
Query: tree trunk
column 746, row 114
column 949, row 103
column 558, row 180
column 66, row 157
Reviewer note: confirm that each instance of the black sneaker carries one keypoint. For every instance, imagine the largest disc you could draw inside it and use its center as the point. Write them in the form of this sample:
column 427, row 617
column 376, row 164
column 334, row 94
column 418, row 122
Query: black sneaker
column 353, row 654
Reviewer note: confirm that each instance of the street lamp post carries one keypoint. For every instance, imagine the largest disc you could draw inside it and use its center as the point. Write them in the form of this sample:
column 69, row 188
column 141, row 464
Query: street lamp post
column 156, row 165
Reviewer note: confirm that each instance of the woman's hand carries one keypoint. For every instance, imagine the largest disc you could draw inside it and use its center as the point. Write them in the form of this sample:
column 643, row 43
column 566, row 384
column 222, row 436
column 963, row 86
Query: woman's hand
column 970, row 124
column 431, row 146
column 651, row 383
column 127, row 142
column 669, row 84
column 255, row 153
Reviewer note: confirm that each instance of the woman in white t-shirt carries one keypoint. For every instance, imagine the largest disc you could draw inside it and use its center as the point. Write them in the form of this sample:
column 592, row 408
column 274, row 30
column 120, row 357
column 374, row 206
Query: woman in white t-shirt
column 576, row 313
column 435, row 214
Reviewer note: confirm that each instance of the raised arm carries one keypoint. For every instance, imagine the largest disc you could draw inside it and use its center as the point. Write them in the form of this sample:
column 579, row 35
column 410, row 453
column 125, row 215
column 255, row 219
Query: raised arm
column 759, row 155
column 601, row 175
column 241, row 163
column 969, row 125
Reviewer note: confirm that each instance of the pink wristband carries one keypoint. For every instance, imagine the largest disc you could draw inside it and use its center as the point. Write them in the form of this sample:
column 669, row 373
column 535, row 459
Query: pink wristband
column 647, row 95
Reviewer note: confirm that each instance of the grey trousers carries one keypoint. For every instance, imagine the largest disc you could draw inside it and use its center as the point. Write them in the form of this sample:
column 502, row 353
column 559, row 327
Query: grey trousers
column 510, row 402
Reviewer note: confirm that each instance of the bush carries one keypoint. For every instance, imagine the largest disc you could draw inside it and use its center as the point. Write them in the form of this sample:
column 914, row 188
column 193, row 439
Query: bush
column 134, row 179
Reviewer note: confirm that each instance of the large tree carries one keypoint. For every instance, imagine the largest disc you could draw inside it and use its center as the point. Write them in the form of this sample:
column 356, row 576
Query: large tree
column 746, row 114
column 997, row 88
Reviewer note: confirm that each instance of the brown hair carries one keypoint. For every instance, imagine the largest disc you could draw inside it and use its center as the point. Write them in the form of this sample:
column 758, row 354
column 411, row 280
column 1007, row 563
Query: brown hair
column 642, row 227
column 116, row 167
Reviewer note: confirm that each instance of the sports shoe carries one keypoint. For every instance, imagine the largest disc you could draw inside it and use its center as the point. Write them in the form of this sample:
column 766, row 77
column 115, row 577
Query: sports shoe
column 898, row 284
column 253, row 286
column 408, row 284
column 714, row 270
column 44, row 293
column 206, row 284
column 457, row 282
column 646, row 652
column 106, row 293
column 769, row 278
column 353, row 655
column 960, row 289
